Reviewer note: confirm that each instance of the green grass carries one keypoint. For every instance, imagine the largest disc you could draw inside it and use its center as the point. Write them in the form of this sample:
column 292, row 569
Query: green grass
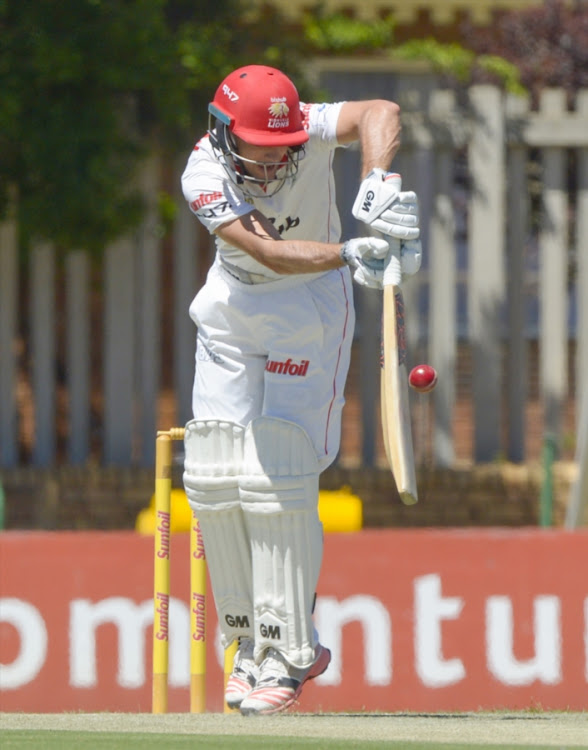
column 72, row 740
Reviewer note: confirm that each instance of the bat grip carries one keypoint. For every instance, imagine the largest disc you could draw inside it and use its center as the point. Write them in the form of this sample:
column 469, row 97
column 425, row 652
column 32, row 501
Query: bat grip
column 392, row 269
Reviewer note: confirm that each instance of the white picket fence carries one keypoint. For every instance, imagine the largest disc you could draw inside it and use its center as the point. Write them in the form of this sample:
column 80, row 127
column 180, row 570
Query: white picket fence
column 486, row 219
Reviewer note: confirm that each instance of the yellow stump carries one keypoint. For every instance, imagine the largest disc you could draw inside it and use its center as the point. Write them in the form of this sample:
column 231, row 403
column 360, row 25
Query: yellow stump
column 161, row 575
column 197, row 619
column 229, row 659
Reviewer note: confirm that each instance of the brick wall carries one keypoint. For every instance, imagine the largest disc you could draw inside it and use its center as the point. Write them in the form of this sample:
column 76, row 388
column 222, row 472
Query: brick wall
column 492, row 495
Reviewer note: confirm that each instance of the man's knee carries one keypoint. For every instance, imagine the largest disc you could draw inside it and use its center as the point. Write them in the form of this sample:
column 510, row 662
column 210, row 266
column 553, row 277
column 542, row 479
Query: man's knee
column 280, row 468
column 213, row 463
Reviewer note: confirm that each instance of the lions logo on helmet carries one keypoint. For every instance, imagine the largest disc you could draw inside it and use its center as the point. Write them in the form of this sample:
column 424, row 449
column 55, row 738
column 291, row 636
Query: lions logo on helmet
column 279, row 109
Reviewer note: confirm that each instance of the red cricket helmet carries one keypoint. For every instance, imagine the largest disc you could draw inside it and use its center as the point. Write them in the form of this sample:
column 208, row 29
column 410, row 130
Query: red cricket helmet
column 260, row 105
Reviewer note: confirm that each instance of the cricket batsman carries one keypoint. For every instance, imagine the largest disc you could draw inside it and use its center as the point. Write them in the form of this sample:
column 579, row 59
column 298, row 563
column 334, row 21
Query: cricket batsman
column 275, row 322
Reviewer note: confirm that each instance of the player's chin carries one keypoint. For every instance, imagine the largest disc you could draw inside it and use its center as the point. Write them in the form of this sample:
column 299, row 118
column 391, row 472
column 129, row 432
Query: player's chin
column 270, row 173
column 259, row 176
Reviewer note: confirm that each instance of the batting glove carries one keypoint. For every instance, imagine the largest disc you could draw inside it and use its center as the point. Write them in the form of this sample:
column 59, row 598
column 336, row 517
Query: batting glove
column 366, row 255
column 381, row 204
column 411, row 255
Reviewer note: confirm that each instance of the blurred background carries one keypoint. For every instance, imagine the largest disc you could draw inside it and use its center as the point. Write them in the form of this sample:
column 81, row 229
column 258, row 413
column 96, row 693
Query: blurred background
column 102, row 102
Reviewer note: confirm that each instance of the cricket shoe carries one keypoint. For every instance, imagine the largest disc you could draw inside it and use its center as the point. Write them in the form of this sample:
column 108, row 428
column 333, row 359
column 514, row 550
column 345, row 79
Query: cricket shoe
column 279, row 683
column 244, row 674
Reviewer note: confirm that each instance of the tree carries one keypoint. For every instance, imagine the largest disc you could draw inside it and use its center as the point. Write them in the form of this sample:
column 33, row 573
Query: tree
column 87, row 87
column 453, row 62
column 548, row 44
column 545, row 45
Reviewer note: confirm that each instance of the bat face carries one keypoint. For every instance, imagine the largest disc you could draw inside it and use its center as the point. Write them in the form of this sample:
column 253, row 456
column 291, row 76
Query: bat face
column 400, row 331
column 395, row 407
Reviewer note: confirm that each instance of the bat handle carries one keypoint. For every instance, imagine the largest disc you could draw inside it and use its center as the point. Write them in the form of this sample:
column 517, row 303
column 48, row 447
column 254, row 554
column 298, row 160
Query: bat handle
column 392, row 269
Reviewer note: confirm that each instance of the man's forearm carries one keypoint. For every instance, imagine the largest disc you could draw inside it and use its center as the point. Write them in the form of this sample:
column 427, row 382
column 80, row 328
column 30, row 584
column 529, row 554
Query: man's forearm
column 379, row 136
column 299, row 256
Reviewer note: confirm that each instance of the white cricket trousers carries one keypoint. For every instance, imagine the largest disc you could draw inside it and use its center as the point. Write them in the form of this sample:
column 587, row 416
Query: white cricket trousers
column 277, row 349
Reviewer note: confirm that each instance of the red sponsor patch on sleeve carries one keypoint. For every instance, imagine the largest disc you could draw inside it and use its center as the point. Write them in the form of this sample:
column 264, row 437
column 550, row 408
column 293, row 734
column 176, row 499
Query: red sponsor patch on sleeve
column 204, row 199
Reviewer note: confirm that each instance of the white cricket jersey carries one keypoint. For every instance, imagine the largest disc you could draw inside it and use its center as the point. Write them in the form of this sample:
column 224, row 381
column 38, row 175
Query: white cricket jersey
column 279, row 348
column 302, row 209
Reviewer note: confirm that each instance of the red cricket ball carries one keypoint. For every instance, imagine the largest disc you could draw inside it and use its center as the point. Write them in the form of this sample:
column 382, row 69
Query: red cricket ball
column 423, row 378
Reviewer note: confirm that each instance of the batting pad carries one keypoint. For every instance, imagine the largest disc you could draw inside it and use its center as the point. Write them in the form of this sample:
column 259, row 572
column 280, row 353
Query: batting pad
column 279, row 496
column 213, row 461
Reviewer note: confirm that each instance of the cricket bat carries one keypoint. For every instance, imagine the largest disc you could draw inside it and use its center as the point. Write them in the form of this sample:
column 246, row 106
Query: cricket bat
column 395, row 407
